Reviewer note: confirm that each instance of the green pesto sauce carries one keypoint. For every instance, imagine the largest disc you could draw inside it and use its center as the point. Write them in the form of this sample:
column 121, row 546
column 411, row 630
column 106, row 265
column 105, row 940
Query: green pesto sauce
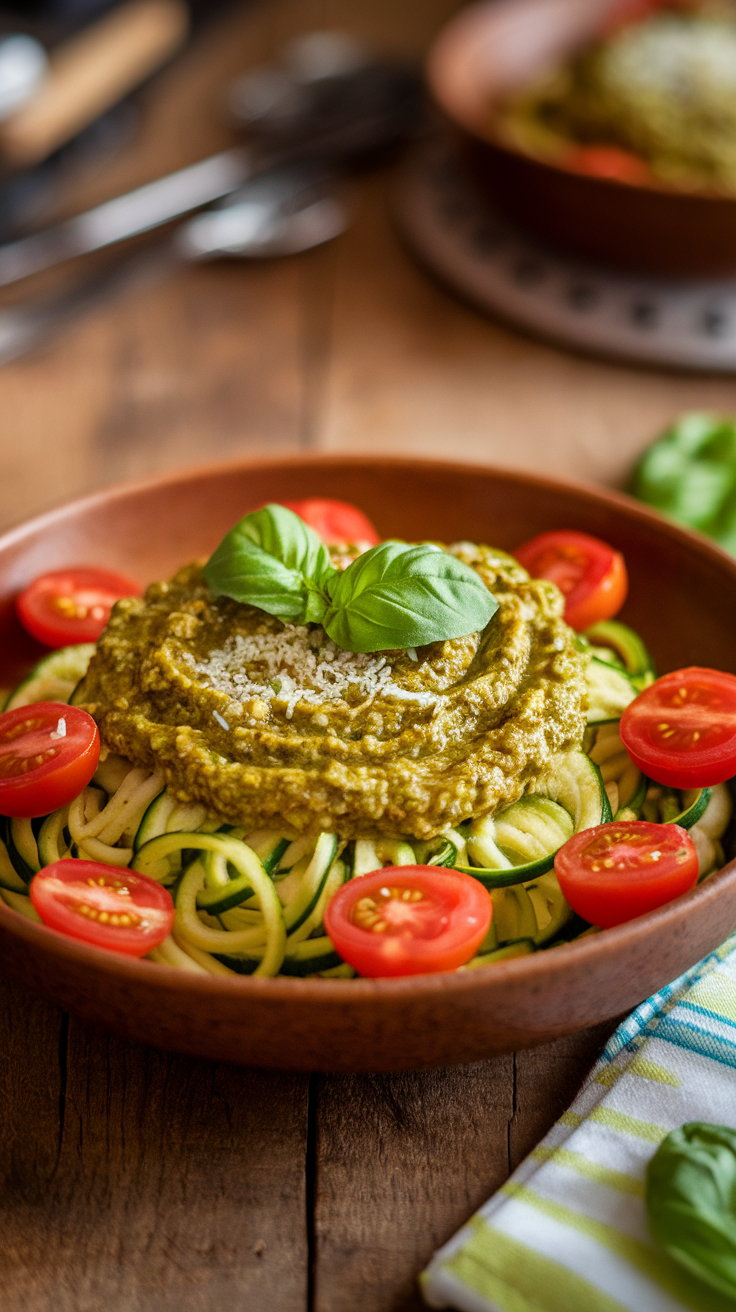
column 208, row 689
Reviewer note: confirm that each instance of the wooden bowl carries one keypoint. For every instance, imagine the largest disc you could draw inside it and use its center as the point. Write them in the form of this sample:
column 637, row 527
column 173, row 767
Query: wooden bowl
column 495, row 48
column 683, row 601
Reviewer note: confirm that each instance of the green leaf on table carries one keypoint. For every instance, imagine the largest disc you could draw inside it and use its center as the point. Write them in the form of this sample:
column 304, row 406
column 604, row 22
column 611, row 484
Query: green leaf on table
column 691, row 1201
column 274, row 561
column 397, row 596
column 689, row 473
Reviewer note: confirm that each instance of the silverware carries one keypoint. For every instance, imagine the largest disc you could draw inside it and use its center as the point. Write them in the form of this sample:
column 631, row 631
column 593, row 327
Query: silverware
column 126, row 216
column 23, row 67
column 281, row 213
column 328, row 100
column 88, row 73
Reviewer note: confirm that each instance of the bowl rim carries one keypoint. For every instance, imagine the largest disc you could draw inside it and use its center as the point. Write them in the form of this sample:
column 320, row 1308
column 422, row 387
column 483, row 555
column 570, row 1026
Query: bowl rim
column 460, row 29
column 532, row 968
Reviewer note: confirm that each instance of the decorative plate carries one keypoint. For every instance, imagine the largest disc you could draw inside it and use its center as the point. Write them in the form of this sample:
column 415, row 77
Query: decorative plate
column 459, row 234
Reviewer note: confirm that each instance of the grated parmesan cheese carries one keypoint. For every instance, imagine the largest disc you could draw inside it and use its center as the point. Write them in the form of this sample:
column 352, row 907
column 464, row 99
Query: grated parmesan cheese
column 296, row 665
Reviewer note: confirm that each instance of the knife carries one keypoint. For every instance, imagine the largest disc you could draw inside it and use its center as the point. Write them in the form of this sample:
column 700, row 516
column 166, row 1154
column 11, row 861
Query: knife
column 281, row 213
column 90, row 72
column 336, row 118
column 138, row 211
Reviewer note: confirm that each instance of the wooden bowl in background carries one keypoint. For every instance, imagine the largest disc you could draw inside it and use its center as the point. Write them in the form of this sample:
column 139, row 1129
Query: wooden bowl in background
column 495, row 48
column 682, row 600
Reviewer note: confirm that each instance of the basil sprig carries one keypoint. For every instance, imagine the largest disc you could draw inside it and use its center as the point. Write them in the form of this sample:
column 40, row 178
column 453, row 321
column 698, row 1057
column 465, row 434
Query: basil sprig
column 691, row 1201
column 392, row 596
column 272, row 560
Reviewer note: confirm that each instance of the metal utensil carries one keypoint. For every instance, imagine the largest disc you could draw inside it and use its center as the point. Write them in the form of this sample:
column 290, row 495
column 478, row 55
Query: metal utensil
column 281, row 213
column 89, row 72
column 23, row 67
column 326, row 108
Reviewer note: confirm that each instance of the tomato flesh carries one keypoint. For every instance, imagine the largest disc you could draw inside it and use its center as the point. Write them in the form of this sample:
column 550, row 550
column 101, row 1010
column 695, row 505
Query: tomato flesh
column 590, row 574
column 48, row 754
column 338, row 523
column 408, row 920
column 608, row 162
column 614, row 872
column 68, row 606
column 103, row 905
column 681, row 730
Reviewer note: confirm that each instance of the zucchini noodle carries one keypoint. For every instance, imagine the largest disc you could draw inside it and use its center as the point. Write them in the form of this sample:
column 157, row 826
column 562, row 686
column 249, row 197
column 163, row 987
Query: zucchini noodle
column 253, row 903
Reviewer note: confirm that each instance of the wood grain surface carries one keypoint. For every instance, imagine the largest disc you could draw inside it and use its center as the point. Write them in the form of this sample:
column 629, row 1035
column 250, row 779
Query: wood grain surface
column 349, row 347
column 133, row 1181
column 430, row 1149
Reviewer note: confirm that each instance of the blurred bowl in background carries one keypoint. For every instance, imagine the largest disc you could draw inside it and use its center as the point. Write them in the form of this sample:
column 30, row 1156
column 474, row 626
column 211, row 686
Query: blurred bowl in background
column 494, row 49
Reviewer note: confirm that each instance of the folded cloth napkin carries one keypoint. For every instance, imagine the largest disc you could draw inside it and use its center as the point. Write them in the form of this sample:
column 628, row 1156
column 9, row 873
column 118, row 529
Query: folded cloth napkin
column 568, row 1231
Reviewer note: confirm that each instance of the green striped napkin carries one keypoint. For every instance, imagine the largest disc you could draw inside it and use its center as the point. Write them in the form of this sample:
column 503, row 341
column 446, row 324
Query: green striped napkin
column 568, row 1231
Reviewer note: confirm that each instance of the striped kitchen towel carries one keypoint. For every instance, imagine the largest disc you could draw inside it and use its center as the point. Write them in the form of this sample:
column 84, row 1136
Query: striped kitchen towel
column 568, row 1231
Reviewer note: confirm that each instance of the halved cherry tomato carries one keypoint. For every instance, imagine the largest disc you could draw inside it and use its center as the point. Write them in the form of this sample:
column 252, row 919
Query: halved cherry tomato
column 617, row 871
column 681, row 730
column 629, row 12
column 71, row 605
column 103, row 905
column 608, row 162
column 591, row 574
column 408, row 920
column 48, row 754
column 337, row 522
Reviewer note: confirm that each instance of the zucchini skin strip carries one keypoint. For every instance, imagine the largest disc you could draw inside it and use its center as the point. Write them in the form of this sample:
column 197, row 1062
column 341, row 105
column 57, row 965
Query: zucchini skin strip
column 246, row 863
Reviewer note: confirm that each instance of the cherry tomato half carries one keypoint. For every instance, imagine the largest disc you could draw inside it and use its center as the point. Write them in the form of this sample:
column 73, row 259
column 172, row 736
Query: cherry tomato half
column 409, row 920
column 590, row 574
column 617, row 871
column 104, row 905
column 71, row 605
column 48, row 754
column 336, row 522
column 608, row 162
column 681, row 730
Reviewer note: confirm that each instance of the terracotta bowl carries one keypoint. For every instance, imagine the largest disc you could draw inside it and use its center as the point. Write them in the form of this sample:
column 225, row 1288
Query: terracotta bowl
column 495, row 48
column 683, row 601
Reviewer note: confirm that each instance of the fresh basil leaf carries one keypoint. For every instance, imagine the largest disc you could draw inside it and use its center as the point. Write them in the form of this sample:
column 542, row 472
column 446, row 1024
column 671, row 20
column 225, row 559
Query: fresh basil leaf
column 274, row 561
column 396, row 596
column 392, row 596
column 691, row 1201
column 689, row 473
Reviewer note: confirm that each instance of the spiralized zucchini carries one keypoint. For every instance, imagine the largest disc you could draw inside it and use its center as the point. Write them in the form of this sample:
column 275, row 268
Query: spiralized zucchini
column 253, row 903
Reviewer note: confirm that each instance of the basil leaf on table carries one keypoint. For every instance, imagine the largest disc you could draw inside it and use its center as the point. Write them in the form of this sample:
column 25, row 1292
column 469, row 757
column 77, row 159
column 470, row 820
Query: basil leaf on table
column 274, row 561
column 396, row 596
column 691, row 1201
column 689, row 473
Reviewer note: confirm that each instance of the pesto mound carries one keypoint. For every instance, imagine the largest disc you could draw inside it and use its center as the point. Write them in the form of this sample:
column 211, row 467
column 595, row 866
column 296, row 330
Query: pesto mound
column 269, row 724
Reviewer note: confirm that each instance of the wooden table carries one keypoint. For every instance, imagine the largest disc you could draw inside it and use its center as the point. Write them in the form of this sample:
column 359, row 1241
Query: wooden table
column 138, row 1182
